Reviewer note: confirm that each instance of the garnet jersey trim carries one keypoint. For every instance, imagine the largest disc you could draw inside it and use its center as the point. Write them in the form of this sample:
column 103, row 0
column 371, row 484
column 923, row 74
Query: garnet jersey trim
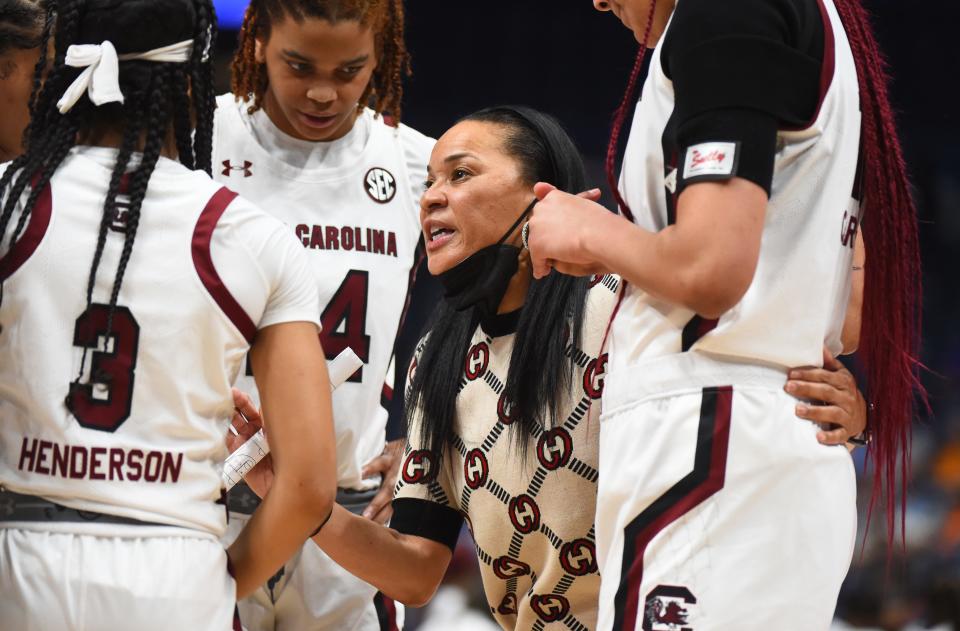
column 24, row 248
column 203, row 261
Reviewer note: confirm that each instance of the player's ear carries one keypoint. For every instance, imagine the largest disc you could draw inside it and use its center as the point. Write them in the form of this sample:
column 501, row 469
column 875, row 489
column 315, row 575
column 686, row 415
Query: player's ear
column 259, row 51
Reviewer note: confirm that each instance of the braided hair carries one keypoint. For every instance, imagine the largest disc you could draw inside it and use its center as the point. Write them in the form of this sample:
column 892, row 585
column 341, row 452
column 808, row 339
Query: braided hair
column 385, row 90
column 24, row 25
column 890, row 337
column 155, row 100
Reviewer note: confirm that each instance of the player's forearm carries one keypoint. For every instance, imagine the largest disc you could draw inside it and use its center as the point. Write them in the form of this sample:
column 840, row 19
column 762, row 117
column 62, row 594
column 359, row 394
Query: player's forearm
column 279, row 527
column 705, row 262
column 408, row 569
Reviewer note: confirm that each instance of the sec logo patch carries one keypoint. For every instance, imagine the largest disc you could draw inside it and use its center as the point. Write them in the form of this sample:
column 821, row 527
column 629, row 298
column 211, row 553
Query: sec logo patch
column 380, row 185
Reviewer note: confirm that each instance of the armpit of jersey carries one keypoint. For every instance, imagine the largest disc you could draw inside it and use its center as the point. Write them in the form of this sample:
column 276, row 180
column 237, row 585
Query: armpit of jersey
column 423, row 518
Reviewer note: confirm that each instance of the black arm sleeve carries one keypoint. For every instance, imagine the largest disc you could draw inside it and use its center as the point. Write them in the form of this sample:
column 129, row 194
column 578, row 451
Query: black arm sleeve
column 741, row 71
column 423, row 518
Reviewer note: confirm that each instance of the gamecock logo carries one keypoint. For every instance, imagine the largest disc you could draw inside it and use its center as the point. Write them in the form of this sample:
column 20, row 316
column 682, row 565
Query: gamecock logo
column 475, row 469
column 554, row 448
column 593, row 377
column 380, row 185
column 524, row 514
column 418, row 467
column 477, row 360
column 506, row 567
column 667, row 609
column 550, row 608
column 579, row 557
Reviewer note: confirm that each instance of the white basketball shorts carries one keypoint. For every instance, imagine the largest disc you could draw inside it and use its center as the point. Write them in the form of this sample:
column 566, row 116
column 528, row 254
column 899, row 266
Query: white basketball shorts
column 717, row 508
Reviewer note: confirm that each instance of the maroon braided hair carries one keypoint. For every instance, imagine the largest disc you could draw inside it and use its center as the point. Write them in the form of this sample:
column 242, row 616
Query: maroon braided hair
column 891, row 321
column 890, row 338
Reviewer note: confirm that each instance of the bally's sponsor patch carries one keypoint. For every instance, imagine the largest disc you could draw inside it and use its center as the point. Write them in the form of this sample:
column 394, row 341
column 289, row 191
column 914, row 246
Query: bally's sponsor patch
column 711, row 160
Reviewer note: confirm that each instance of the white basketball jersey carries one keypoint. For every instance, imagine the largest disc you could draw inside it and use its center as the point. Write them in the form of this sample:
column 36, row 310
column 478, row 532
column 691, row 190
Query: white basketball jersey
column 146, row 439
column 357, row 217
column 797, row 300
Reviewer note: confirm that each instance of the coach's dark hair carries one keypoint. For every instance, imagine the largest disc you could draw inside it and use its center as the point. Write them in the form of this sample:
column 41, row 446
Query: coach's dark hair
column 157, row 98
column 551, row 320
column 385, row 17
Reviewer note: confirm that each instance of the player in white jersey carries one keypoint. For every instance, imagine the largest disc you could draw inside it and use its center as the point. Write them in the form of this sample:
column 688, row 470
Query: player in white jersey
column 345, row 181
column 741, row 173
column 115, row 387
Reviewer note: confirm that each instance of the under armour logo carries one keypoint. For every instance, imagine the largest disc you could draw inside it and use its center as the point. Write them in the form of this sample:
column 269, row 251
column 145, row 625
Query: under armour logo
column 418, row 467
column 550, row 607
column 524, row 514
column 667, row 609
column 477, row 360
column 475, row 469
column 578, row 557
column 380, row 185
column 554, row 448
column 228, row 168
column 593, row 377
column 507, row 567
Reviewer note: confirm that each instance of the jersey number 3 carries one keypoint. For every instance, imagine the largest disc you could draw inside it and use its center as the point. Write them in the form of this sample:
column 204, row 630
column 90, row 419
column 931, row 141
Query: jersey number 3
column 345, row 320
column 103, row 403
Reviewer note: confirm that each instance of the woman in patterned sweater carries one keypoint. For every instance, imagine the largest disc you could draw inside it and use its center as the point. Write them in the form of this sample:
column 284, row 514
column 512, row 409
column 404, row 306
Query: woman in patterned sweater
column 503, row 405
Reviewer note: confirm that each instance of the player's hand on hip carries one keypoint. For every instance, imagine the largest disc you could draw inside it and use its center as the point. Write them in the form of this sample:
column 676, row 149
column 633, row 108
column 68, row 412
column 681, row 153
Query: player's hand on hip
column 840, row 408
column 559, row 230
column 387, row 465
column 247, row 421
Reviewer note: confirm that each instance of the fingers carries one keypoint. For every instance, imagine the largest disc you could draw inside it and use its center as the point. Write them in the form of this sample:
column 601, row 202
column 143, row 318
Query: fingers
column 541, row 266
column 820, row 392
column 380, row 501
column 378, row 466
column 833, row 437
column 830, row 362
column 829, row 414
column 244, row 405
column 839, row 379
column 542, row 189
column 594, row 194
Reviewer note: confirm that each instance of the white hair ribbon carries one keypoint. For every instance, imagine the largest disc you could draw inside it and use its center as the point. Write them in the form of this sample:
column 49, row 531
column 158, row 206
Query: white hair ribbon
column 101, row 76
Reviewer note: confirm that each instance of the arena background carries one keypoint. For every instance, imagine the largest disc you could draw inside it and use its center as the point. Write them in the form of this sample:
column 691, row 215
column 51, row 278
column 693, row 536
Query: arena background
column 564, row 58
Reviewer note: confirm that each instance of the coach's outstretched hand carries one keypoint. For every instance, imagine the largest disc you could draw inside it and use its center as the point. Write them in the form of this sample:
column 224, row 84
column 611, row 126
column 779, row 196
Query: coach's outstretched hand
column 247, row 420
column 841, row 409
column 557, row 236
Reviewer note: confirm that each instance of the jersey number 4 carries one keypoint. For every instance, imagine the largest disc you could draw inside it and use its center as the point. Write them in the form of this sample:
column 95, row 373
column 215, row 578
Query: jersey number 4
column 345, row 319
column 103, row 402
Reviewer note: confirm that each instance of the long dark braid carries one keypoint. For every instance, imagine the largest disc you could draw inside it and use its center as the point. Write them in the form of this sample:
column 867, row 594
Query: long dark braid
column 155, row 101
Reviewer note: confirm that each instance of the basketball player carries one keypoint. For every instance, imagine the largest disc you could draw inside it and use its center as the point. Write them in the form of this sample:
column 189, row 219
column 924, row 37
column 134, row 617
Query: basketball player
column 504, row 400
column 24, row 24
column 297, row 137
column 117, row 352
column 741, row 180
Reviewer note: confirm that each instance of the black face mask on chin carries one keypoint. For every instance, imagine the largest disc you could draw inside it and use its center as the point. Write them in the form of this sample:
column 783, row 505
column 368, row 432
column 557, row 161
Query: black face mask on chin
column 482, row 278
